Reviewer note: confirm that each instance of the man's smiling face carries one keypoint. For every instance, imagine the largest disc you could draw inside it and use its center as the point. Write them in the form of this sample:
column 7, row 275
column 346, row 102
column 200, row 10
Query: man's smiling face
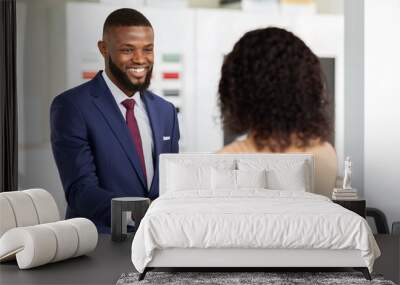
column 129, row 56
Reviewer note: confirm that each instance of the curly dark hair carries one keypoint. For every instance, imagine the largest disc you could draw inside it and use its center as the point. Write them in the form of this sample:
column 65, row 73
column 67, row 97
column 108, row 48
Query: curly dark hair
column 272, row 85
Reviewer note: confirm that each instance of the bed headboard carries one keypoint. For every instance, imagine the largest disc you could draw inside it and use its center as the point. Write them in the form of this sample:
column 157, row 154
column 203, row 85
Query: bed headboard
column 234, row 159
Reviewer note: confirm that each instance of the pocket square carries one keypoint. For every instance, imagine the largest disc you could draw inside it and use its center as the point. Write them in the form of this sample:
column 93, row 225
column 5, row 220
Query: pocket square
column 166, row 138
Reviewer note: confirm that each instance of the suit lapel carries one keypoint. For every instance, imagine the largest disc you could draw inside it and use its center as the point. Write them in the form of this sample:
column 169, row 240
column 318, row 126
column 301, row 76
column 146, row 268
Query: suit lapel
column 105, row 102
column 155, row 123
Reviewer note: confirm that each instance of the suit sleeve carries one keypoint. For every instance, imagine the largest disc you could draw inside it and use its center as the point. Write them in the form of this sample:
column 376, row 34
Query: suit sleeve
column 74, row 158
column 175, row 132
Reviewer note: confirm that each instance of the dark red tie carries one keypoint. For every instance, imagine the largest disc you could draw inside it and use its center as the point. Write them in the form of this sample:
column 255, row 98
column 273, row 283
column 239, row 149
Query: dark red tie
column 129, row 104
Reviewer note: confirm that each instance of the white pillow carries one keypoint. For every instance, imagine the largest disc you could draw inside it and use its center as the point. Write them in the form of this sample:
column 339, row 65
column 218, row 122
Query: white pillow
column 193, row 174
column 251, row 178
column 188, row 177
column 226, row 179
column 282, row 174
column 292, row 179
column 223, row 179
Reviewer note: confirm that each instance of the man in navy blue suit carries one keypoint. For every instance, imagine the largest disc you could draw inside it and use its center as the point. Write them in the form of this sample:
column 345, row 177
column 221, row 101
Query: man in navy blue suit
column 107, row 134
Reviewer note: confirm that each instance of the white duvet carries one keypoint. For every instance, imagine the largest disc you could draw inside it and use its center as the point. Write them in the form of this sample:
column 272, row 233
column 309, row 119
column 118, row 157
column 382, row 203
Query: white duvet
column 252, row 218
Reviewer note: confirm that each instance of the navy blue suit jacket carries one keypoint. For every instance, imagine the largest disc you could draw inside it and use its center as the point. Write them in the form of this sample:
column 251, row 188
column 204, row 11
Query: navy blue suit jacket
column 95, row 153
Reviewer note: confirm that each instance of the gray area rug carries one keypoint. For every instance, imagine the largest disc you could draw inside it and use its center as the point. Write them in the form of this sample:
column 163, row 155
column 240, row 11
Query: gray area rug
column 269, row 278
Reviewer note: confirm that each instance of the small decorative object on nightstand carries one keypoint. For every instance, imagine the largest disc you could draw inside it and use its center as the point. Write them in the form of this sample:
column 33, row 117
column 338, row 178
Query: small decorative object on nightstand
column 347, row 174
column 355, row 205
column 346, row 192
column 119, row 207
column 347, row 196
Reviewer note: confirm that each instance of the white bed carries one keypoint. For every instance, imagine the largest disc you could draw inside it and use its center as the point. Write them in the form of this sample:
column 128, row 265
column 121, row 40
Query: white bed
column 247, row 211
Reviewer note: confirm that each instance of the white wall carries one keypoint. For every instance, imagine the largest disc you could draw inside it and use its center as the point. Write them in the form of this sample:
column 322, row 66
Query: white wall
column 35, row 90
column 331, row 6
column 354, row 90
column 382, row 106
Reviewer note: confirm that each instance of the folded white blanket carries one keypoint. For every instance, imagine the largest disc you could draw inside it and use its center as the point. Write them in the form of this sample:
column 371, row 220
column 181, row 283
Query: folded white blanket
column 252, row 218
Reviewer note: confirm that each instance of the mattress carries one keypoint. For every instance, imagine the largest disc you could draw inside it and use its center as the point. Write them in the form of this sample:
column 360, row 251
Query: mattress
column 250, row 219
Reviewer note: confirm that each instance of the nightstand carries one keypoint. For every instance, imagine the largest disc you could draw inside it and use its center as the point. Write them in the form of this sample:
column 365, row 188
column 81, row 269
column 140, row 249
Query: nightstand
column 357, row 206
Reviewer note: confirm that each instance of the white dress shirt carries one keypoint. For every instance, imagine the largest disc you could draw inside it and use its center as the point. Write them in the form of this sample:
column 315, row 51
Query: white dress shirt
column 143, row 122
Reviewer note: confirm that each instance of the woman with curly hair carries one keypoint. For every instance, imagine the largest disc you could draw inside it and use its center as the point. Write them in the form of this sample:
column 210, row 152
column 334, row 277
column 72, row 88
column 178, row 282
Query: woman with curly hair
column 272, row 89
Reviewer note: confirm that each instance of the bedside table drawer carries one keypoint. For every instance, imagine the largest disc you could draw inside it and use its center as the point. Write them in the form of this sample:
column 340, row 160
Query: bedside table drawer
column 357, row 206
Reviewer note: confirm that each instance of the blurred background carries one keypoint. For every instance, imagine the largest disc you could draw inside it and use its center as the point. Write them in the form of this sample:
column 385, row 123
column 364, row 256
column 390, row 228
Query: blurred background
column 356, row 42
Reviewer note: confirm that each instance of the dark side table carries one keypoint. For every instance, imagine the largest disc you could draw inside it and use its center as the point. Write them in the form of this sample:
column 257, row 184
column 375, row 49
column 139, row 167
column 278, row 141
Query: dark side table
column 357, row 206
column 137, row 206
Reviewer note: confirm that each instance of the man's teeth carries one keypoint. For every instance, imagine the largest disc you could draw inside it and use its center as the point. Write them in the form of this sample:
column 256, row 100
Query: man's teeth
column 139, row 69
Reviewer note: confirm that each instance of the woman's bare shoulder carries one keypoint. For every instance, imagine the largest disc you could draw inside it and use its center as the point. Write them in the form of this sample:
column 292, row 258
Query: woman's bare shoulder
column 230, row 148
column 323, row 149
column 237, row 146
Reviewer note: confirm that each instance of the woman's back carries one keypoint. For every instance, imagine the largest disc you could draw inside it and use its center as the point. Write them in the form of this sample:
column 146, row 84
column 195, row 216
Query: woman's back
column 324, row 157
column 272, row 87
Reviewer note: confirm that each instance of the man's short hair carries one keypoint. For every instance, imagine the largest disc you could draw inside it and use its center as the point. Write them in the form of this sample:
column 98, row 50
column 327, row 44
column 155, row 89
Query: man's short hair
column 125, row 17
